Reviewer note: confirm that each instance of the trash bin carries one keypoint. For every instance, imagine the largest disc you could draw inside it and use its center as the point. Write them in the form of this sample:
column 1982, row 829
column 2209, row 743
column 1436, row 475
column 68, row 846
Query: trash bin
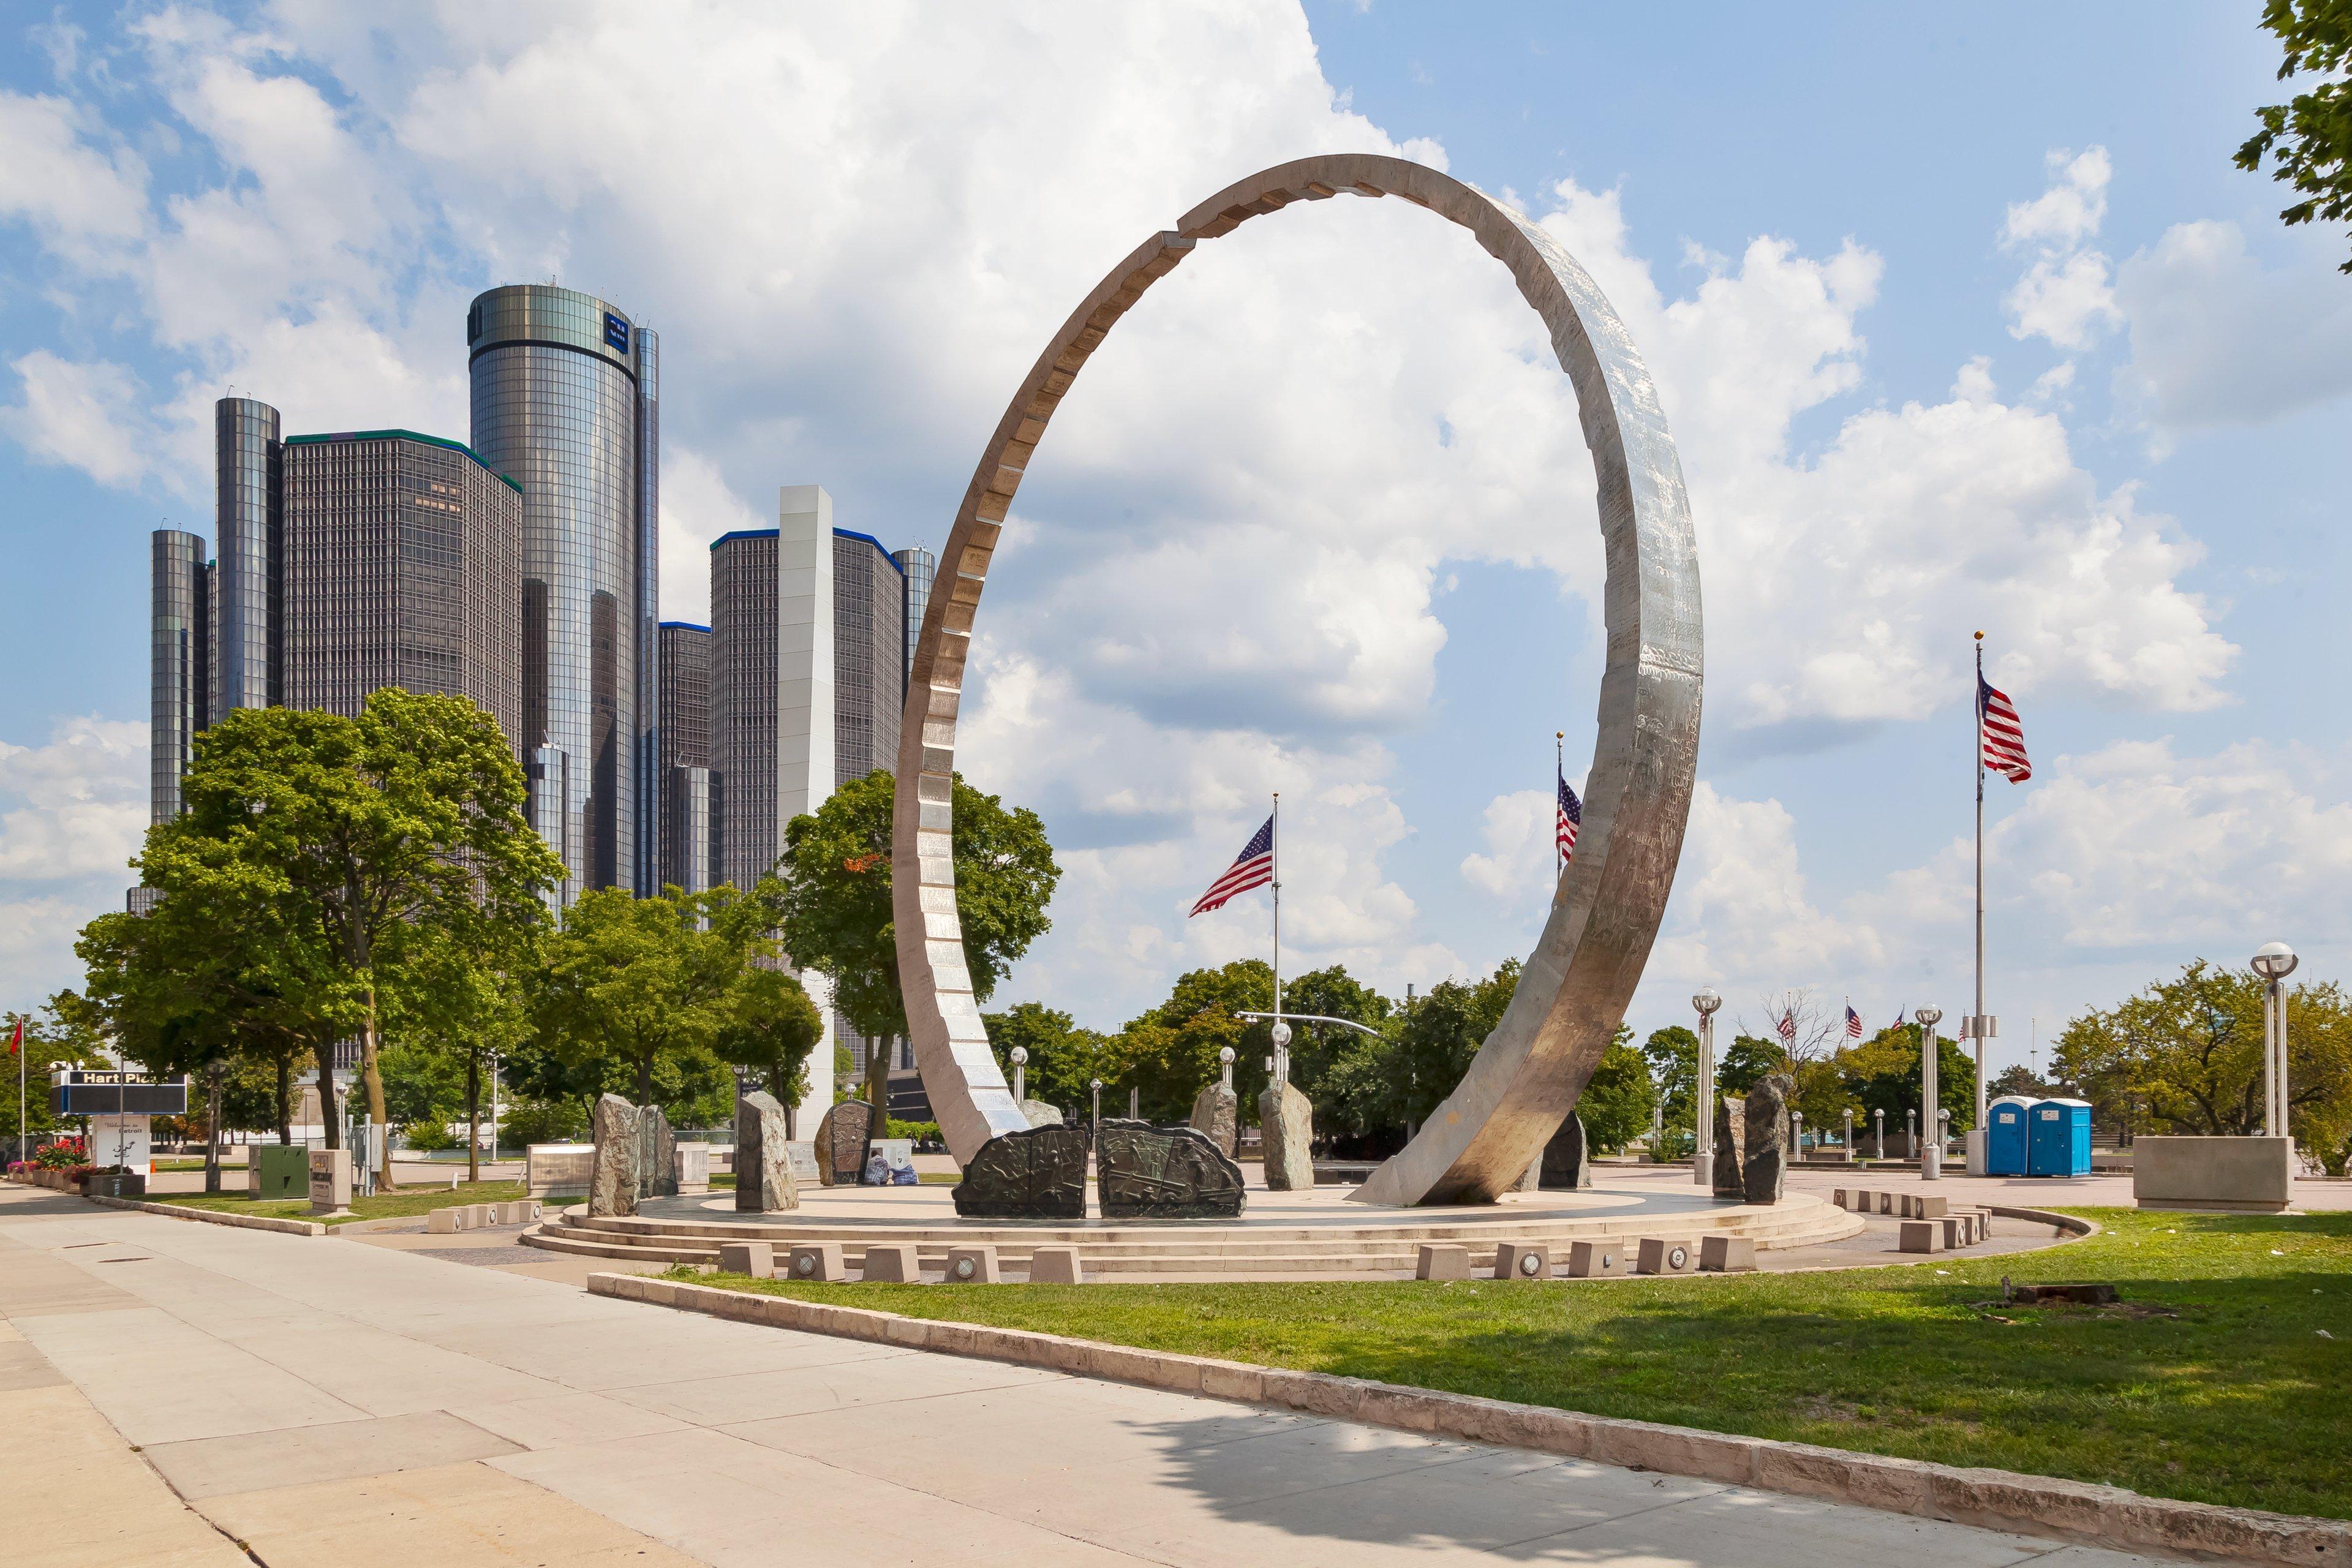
column 2059, row 1143
column 2005, row 1136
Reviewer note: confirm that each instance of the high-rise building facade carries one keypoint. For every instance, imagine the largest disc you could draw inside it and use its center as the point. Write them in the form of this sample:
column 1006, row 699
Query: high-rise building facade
column 403, row 567
column 869, row 655
column 562, row 403
column 684, row 757
column 248, row 480
column 919, row 566
column 179, row 663
column 743, row 696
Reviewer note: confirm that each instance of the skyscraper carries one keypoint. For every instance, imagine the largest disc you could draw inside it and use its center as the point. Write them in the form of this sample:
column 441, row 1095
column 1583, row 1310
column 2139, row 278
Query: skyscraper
column 918, row 566
column 564, row 401
column 179, row 667
column 869, row 655
column 684, row 757
column 403, row 567
column 248, row 480
column 744, row 694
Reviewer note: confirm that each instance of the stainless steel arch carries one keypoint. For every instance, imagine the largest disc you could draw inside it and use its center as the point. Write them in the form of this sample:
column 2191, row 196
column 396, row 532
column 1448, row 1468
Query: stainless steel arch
column 1582, row 975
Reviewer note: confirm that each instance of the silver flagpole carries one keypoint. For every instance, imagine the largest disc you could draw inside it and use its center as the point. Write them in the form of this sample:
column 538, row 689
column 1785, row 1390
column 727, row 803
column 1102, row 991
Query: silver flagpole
column 1977, row 1022
column 1281, row 1045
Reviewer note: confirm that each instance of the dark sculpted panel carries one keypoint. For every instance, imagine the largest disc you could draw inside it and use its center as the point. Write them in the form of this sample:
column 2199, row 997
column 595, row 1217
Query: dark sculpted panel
column 843, row 1141
column 1040, row 1174
column 1164, row 1172
column 1567, row 1161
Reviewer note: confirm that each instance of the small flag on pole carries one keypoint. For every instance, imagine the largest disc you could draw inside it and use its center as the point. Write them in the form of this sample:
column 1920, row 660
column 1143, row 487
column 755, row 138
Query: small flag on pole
column 1853, row 1022
column 1254, row 869
column 1572, row 817
column 1789, row 1028
column 2000, row 736
column 16, row 1039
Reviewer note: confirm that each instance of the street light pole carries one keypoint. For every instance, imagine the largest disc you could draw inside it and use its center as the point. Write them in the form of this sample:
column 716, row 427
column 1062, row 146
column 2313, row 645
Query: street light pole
column 1931, row 1157
column 2275, row 962
column 1705, row 1002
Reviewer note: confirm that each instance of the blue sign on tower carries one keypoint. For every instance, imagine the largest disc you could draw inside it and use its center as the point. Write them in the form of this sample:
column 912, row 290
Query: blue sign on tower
column 616, row 331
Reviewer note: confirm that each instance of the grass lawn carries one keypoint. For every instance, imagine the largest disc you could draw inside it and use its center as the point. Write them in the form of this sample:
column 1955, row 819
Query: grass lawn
column 411, row 1200
column 2213, row 1382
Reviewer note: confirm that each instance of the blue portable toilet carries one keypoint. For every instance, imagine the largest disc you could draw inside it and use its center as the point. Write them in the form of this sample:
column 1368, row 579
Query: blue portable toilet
column 2005, row 1138
column 2059, row 1142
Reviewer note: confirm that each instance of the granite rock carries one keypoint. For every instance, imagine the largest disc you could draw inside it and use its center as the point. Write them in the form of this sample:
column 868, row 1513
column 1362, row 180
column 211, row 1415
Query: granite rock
column 1041, row 1114
column 1217, row 1116
column 1764, row 1162
column 612, row 1181
column 1142, row 1171
column 1730, row 1145
column 764, row 1164
column 658, row 1154
column 844, row 1139
column 1287, row 1123
column 1036, row 1173
column 1567, row 1162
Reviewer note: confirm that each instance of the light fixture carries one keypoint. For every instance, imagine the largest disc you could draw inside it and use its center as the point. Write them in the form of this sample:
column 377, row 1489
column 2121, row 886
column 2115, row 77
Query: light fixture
column 2274, row 961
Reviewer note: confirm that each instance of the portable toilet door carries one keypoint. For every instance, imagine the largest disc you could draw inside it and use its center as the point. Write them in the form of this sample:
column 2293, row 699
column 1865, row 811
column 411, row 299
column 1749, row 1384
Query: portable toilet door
column 2005, row 1137
column 2059, row 1143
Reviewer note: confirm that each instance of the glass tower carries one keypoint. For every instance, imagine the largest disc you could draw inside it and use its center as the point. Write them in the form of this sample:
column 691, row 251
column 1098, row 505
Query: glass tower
column 684, row 755
column 743, row 711
column 562, row 404
column 920, row 566
column 179, row 663
column 869, row 655
column 248, row 469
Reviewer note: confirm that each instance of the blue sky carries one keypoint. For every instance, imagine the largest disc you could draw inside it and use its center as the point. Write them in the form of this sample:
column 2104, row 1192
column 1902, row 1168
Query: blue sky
column 1959, row 322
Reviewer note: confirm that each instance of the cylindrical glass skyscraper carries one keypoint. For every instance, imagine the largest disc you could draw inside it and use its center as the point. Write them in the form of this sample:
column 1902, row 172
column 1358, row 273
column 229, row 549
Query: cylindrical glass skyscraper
column 246, row 460
column 558, row 406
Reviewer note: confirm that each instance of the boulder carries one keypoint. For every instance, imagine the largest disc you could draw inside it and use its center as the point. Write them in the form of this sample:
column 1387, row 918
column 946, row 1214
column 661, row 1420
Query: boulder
column 613, row 1181
column 1730, row 1142
column 1142, row 1171
column 764, row 1164
column 1567, row 1163
column 1037, row 1174
column 1217, row 1116
column 844, row 1139
column 658, row 1154
column 1287, row 1123
column 1041, row 1114
column 1764, row 1162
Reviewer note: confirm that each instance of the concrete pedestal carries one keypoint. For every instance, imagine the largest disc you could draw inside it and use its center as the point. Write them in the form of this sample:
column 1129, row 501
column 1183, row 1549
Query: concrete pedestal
column 2244, row 1175
column 1977, row 1153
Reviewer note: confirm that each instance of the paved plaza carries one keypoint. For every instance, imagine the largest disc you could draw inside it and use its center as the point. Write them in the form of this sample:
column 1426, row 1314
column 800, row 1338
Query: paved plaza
column 315, row 1399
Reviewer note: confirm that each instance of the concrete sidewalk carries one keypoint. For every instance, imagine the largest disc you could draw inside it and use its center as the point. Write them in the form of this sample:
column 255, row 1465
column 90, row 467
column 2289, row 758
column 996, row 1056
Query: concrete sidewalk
column 310, row 1399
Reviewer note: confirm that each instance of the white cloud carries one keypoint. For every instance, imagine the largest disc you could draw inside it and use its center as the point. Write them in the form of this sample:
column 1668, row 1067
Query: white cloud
column 2065, row 294
column 84, row 203
column 2219, row 338
column 87, row 416
column 1520, row 849
column 1741, row 916
column 72, row 813
column 2071, row 211
column 696, row 507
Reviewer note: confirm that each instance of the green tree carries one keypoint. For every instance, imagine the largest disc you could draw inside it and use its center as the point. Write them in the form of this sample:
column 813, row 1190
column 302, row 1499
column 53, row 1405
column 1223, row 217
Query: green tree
column 2309, row 137
column 833, row 907
column 460, row 999
column 1618, row 1097
column 1881, row 1073
column 1063, row 1057
column 2186, row 1055
column 2018, row 1079
column 769, row 1026
column 1749, row 1059
column 1435, row 1041
column 1673, row 1056
column 50, row 1036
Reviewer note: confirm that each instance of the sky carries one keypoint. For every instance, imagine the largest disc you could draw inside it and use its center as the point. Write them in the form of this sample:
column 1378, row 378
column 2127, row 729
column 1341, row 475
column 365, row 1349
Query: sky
column 1960, row 322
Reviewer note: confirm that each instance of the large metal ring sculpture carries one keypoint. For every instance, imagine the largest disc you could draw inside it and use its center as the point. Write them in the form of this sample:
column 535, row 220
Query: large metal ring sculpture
column 1578, row 981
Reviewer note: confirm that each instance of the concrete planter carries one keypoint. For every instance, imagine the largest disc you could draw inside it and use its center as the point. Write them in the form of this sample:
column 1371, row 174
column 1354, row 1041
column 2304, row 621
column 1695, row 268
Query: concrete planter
column 113, row 1184
column 2240, row 1175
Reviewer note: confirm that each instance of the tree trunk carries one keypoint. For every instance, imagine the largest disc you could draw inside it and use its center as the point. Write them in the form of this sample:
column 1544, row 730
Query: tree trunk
column 878, row 1077
column 644, row 1080
column 473, row 1117
column 212, row 1130
column 327, row 1117
column 374, row 1082
column 285, row 1066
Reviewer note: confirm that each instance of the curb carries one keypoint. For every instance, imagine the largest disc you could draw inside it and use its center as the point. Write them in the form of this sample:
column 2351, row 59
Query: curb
column 214, row 1217
column 1994, row 1500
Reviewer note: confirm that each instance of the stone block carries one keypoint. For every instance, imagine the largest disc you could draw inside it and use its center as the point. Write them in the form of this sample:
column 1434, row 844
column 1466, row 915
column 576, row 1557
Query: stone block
column 1727, row 1254
column 973, row 1266
column 1596, row 1260
column 1057, row 1266
column 844, row 1139
column 1842, row 1198
column 1888, row 1204
column 1041, row 1114
column 1036, row 1173
column 1142, row 1171
column 2248, row 1175
column 764, row 1182
column 818, row 1260
column 1522, row 1260
column 481, row 1216
column 1440, row 1260
column 1287, row 1125
column 445, row 1221
column 693, row 1169
column 1922, row 1235
column 1764, row 1164
column 757, row 1258
column 1217, row 1116
column 1665, row 1255
column 613, row 1185
column 1567, row 1164
column 559, row 1169
column 893, row 1263
column 1730, row 1148
column 1952, row 1230
column 1928, row 1205
column 657, row 1155
column 519, row 1211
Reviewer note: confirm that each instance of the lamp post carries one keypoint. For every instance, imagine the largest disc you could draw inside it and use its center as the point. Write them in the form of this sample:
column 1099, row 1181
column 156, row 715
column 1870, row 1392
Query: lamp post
column 1931, row 1158
column 1020, row 1074
column 1225, row 1067
column 1911, row 1134
column 1878, row 1121
column 1280, row 1035
column 1704, row 1002
column 2274, row 961
column 1846, row 1141
column 1796, row 1136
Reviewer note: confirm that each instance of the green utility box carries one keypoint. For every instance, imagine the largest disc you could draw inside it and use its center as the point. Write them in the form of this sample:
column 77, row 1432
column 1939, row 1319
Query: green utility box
column 279, row 1171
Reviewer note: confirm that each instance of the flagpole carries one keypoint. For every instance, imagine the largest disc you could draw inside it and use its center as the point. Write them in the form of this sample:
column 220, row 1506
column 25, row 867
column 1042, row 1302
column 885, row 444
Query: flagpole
column 1281, row 1054
column 1977, row 1020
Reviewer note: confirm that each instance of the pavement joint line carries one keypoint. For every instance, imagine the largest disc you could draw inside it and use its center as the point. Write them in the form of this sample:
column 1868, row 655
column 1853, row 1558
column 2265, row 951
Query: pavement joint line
column 1714, row 1490
column 2035, row 1506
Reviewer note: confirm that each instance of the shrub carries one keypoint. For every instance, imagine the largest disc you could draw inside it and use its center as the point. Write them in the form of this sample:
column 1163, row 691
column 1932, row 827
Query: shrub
column 62, row 1155
column 429, row 1135
column 531, row 1122
column 920, row 1132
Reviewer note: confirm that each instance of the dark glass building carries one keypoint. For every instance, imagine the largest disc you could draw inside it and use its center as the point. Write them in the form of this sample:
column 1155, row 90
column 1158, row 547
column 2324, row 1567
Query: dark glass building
column 684, row 757
column 179, row 665
column 248, row 479
column 869, row 655
column 403, row 567
column 919, row 566
column 563, row 403
column 743, row 715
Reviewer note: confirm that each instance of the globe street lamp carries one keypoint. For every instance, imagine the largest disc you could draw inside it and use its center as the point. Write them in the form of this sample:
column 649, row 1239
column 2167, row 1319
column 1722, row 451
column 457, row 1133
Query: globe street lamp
column 1878, row 1134
column 2274, row 961
column 1931, row 1158
column 1020, row 1074
column 1704, row 1000
column 1280, row 1035
column 1225, row 1067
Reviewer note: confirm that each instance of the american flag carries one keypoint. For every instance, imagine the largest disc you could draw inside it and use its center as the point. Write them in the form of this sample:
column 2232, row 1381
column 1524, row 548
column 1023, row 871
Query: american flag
column 1572, row 817
column 1999, row 733
column 1255, row 868
column 1853, row 1022
column 1789, row 1028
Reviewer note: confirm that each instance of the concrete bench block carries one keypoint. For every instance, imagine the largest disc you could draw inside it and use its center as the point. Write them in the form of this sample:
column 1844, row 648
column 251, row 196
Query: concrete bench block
column 445, row 1221
column 894, row 1264
column 1596, row 1260
column 521, row 1211
column 481, row 1216
column 1057, row 1266
column 757, row 1258
column 1886, row 1203
column 1952, row 1230
column 973, row 1266
column 1438, row 1260
column 1923, row 1236
column 1727, row 1254
column 1665, row 1255
column 1927, row 1208
column 818, row 1260
column 1522, row 1260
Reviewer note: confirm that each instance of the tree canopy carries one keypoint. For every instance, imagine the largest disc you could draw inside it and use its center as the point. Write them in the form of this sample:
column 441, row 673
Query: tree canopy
column 2309, row 137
